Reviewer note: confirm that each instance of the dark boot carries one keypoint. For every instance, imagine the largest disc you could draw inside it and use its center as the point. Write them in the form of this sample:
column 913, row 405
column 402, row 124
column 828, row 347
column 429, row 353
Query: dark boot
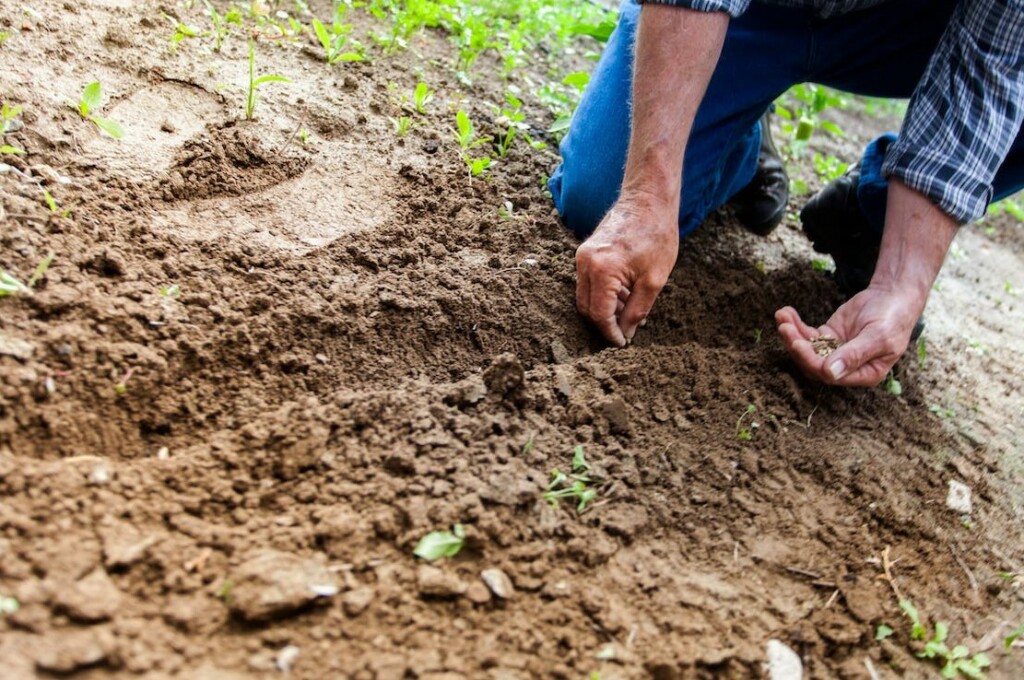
column 836, row 226
column 761, row 205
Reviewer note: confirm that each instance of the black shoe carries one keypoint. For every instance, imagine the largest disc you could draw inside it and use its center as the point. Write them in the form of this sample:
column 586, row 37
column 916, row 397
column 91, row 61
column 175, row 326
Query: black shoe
column 836, row 226
column 761, row 205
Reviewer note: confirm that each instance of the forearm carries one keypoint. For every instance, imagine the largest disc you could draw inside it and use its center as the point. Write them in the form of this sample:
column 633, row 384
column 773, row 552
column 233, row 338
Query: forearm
column 917, row 236
column 677, row 51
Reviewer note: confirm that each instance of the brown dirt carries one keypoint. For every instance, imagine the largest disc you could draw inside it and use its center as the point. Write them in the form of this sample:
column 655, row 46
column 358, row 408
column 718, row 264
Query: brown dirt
column 364, row 345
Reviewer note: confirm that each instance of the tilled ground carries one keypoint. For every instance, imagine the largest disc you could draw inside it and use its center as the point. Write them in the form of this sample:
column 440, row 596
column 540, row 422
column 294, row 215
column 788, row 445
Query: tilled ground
column 368, row 346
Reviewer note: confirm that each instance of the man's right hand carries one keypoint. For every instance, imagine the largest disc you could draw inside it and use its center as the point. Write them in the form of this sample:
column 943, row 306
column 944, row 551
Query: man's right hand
column 625, row 263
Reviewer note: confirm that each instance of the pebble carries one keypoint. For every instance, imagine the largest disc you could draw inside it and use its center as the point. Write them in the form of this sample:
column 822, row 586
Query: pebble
column 15, row 347
column 498, row 582
column 559, row 353
column 272, row 583
column 959, row 497
column 783, row 662
column 356, row 601
column 435, row 582
column 123, row 546
column 286, row 658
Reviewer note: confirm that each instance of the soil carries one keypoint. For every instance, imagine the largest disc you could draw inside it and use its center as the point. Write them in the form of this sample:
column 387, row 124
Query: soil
column 229, row 478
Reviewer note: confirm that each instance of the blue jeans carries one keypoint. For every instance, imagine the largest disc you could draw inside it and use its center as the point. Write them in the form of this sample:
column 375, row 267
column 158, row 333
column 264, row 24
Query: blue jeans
column 881, row 51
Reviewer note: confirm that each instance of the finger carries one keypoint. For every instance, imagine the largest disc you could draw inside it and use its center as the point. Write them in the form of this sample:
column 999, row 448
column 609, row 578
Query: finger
column 788, row 315
column 604, row 297
column 582, row 286
column 802, row 351
column 621, row 302
column 638, row 306
column 863, row 361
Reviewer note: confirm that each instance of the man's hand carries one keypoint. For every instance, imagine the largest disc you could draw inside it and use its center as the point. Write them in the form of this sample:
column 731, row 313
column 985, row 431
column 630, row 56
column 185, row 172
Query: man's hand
column 874, row 326
column 873, row 330
column 623, row 266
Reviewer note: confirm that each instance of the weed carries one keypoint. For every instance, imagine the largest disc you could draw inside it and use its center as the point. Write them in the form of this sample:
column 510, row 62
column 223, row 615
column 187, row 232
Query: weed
column 745, row 434
column 335, row 40
column 465, row 133
column 422, row 96
column 922, row 352
column 438, row 544
column 182, row 32
column 255, row 83
column 513, row 117
column 575, row 486
column 304, row 136
column 220, row 28
column 956, row 661
column 90, row 102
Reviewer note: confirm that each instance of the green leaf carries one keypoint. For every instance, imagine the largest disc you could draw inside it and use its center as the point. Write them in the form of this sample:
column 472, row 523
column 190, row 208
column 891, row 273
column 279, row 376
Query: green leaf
column 600, row 31
column 917, row 631
column 465, row 126
column 41, row 269
column 1012, row 637
column 438, row 544
column 10, row 285
column 883, row 632
column 11, row 150
column 92, row 98
column 322, row 35
column 269, row 79
column 579, row 461
column 111, row 127
column 561, row 123
column 941, row 632
column 577, row 79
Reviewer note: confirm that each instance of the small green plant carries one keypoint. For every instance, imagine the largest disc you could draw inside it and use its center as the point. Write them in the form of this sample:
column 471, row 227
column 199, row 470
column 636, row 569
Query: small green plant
column 256, row 82
column 220, row 28
column 829, row 167
column 821, row 264
column 956, row 661
column 576, row 485
column 402, row 125
column 942, row 411
column 883, row 632
column 422, row 96
column 335, row 40
column 171, row 291
column 892, row 385
column 528, row 446
column 9, row 285
column 743, row 432
column 90, row 102
column 438, row 544
column 757, row 336
column 8, row 114
column 922, row 352
column 181, row 33
column 3, row 37
column 1012, row 637
column 224, row 592
column 303, row 136
column 465, row 133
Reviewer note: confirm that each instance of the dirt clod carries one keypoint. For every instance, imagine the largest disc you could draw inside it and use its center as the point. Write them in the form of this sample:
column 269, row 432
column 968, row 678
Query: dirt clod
column 823, row 345
column 273, row 583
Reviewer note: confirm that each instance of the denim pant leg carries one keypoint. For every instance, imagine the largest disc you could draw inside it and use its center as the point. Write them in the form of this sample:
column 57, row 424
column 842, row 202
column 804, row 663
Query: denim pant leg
column 761, row 58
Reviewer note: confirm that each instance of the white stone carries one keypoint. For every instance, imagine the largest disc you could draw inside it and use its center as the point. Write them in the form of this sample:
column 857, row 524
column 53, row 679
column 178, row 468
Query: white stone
column 783, row 662
column 286, row 658
column 959, row 497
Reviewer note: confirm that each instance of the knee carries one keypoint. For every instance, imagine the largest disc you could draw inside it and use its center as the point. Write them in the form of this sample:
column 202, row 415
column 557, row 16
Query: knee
column 581, row 196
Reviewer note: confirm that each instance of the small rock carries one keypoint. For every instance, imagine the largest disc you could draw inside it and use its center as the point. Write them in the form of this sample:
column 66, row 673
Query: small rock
column 93, row 598
column 357, row 600
column 477, row 593
column 286, row 658
column 783, row 662
column 123, row 546
column 616, row 413
column 15, row 347
column 69, row 650
column 100, row 475
column 163, row 453
column 498, row 582
column 273, row 583
column 435, row 582
column 559, row 353
column 322, row 358
column 959, row 497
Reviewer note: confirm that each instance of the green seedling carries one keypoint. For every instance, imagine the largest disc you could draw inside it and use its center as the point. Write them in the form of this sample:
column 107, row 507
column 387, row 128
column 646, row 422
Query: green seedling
column 121, row 386
column 90, row 102
column 757, row 336
column 476, row 165
column 304, row 136
column 892, row 385
column 438, row 544
column 8, row 114
column 465, row 133
column 171, row 291
column 575, row 486
column 1012, row 637
column 54, row 207
column 513, row 117
column 3, row 38
column 335, row 40
column 9, row 285
column 529, row 445
column 256, row 82
column 942, row 411
column 224, row 592
column 883, row 632
column 422, row 96
column 821, row 265
column 922, row 352
column 11, row 150
column 181, row 33
column 41, row 269
column 956, row 661
column 220, row 28
column 743, row 433
column 402, row 125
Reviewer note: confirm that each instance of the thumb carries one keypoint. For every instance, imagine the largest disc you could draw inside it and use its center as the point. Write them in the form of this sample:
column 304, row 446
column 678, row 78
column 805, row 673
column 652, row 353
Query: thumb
column 849, row 358
column 638, row 306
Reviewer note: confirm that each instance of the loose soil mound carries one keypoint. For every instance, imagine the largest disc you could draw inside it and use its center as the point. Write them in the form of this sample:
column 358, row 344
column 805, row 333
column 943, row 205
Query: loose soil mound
column 368, row 345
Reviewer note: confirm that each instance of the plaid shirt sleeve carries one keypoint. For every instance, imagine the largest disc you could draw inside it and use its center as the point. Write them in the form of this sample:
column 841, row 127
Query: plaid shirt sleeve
column 966, row 111
column 733, row 8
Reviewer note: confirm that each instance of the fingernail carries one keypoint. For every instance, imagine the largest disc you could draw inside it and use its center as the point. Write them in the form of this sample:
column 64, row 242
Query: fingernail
column 837, row 369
